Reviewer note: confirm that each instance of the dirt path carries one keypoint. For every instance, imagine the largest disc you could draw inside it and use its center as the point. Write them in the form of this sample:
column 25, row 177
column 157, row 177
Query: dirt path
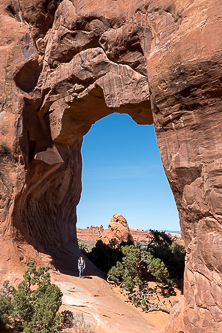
column 101, row 305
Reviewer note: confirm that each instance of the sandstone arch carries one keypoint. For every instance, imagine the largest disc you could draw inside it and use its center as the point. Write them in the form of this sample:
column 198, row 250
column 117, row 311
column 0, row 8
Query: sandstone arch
column 63, row 69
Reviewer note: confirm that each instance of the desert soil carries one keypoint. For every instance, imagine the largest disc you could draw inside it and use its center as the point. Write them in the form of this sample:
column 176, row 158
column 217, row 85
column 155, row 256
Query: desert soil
column 158, row 319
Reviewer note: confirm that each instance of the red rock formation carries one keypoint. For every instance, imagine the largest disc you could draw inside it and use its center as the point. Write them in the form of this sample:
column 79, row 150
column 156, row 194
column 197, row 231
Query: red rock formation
column 63, row 67
column 139, row 235
column 90, row 234
column 93, row 233
column 118, row 231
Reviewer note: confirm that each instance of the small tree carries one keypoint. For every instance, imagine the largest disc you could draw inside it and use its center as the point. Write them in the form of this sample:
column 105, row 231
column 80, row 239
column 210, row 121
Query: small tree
column 157, row 268
column 128, row 275
column 6, row 307
column 128, row 272
column 131, row 259
column 116, row 273
column 35, row 303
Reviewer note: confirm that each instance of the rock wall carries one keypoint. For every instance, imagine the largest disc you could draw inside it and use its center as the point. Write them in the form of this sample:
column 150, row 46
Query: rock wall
column 66, row 64
column 184, row 70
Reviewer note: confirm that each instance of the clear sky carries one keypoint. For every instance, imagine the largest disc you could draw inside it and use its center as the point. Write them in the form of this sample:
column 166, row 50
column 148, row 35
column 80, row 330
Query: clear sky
column 123, row 173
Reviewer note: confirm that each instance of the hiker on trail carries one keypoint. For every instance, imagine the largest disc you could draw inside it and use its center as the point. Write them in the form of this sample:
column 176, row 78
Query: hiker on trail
column 81, row 266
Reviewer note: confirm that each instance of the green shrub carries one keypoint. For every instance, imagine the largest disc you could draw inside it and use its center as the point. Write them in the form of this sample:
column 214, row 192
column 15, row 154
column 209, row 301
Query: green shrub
column 136, row 300
column 157, row 268
column 35, row 303
column 163, row 246
column 116, row 273
column 6, row 307
column 128, row 272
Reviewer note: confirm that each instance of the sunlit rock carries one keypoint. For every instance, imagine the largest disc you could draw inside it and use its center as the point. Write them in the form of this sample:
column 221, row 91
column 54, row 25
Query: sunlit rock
column 66, row 64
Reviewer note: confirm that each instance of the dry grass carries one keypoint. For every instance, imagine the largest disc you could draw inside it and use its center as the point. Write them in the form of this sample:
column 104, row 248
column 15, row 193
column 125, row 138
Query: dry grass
column 79, row 325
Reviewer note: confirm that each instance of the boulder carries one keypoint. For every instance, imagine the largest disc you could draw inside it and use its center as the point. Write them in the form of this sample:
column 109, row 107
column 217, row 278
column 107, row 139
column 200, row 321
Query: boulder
column 118, row 232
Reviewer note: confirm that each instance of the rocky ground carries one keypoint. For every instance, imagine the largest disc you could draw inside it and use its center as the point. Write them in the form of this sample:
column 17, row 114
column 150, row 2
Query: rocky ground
column 104, row 307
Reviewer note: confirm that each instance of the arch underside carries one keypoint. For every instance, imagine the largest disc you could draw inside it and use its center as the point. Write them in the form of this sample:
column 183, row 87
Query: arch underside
column 67, row 99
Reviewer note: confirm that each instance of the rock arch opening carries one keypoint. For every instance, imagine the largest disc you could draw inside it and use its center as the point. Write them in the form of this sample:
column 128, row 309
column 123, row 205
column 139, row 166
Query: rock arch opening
column 69, row 97
column 123, row 173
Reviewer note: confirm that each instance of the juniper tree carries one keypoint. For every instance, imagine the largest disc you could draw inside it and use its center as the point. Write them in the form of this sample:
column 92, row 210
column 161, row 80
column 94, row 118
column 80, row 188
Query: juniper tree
column 35, row 303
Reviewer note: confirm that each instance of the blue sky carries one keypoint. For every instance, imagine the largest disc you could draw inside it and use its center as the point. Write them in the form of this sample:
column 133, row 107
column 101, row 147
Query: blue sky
column 123, row 173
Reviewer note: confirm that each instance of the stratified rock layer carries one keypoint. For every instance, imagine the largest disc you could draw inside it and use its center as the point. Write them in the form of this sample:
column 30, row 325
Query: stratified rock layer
column 91, row 233
column 66, row 64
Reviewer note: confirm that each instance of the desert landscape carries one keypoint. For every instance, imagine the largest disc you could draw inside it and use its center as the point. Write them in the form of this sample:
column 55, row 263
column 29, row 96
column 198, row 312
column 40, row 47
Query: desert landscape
column 65, row 64
column 93, row 235
column 97, row 304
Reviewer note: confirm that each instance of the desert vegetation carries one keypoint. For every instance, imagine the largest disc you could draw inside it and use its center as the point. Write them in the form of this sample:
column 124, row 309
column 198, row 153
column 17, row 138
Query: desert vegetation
column 34, row 306
column 76, row 323
column 133, row 267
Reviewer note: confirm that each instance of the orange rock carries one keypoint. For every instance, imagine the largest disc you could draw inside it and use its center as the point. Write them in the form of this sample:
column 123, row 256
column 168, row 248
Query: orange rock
column 90, row 234
column 176, row 323
column 118, row 231
column 65, row 65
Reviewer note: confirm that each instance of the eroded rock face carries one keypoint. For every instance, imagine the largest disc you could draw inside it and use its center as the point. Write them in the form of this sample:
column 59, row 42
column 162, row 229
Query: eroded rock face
column 176, row 320
column 66, row 64
column 118, row 232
